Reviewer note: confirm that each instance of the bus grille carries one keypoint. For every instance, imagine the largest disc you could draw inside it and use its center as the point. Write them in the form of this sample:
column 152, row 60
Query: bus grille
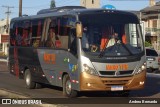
column 117, row 81
column 112, row 73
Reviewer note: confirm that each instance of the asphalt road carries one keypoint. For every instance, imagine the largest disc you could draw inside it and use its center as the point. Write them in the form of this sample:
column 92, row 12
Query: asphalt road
column 10, row 82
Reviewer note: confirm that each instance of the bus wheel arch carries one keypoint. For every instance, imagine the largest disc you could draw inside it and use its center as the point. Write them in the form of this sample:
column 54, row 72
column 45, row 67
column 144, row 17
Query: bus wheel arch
column 67, row 87
column 25, row 68
column 30, row 84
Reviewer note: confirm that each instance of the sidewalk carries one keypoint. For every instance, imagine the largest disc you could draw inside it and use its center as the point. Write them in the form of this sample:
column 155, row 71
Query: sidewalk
column 3, row 62
column 3, row 65
column 3, row 58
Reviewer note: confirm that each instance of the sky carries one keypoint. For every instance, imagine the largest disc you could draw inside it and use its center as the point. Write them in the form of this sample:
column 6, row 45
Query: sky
column 31, row 7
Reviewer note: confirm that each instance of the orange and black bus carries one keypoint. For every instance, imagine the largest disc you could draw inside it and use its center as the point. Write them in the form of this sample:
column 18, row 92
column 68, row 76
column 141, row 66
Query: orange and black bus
column 78, row 49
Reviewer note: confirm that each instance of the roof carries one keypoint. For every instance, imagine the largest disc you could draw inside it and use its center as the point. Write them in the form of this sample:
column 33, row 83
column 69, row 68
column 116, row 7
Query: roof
column 136, row 13
column 60, row 9
column 156, row 7
column 151, row 12
column 80, row 11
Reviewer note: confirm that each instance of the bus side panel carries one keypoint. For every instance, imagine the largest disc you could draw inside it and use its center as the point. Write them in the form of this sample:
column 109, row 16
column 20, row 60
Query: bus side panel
column 26, row 58
column 13, row 61
column 55, row 63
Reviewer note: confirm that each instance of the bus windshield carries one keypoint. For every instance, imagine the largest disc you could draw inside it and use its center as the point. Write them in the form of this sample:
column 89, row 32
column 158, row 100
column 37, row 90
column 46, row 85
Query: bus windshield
column 111, row 38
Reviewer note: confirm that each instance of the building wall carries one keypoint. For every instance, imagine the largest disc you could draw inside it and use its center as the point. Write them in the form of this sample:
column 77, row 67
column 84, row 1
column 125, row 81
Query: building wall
column 90, row 3
column 2, row 28
column 3, row 31
column 151, row 32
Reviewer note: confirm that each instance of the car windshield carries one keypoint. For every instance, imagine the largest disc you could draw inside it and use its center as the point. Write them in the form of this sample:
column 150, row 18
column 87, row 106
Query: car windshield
column 111, row 38
column 151, row 52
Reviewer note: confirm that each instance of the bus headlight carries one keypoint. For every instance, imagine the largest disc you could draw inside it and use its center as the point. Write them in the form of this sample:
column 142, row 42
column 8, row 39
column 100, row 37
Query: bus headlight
column 142, row 68
column 89, row 70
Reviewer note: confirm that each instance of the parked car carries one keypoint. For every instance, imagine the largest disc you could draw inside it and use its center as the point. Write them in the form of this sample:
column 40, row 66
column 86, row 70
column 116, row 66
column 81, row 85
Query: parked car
column 152, row 60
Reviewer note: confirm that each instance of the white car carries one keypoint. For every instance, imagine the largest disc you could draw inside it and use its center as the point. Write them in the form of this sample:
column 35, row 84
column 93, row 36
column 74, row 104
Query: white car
column 152, row 59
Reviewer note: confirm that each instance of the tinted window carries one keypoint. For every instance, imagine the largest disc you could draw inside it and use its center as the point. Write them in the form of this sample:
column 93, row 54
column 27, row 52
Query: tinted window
column 150, row 52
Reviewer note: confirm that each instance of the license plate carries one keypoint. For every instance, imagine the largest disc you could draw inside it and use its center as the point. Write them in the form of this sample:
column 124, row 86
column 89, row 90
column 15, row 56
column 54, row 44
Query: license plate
column 150, row 59
column 116, row 88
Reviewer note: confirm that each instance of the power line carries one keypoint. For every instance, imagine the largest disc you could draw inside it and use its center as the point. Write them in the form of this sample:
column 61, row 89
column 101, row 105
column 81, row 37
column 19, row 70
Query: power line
column 8, row 12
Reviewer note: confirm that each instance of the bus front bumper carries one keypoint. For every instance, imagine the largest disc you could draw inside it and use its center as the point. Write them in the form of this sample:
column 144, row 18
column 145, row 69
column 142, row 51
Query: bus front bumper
column 96, row 83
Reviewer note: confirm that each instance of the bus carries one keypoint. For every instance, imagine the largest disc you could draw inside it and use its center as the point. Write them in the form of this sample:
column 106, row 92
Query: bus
column 79, row 50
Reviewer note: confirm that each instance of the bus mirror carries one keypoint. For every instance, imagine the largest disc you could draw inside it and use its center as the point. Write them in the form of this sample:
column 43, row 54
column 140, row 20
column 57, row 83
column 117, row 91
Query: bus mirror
column 79, row 29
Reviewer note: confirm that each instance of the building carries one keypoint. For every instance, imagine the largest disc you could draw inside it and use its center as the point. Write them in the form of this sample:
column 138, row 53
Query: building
column 3, row 26
column 90, row 3
column 151, row 17
column 4, row 36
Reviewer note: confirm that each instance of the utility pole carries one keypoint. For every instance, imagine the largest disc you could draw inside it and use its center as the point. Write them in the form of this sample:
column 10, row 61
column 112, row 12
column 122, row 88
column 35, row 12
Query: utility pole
column 8, row 12
column 20, row 8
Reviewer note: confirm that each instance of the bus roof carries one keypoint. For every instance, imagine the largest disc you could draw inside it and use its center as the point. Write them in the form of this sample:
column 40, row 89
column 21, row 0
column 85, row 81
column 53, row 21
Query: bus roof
column 78, row 11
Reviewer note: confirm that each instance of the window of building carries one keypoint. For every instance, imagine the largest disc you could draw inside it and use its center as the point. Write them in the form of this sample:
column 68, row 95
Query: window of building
column 154, row 23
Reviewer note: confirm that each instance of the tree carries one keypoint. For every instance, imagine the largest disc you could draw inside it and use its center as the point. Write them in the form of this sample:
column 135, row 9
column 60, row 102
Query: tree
column 53, row 4
column 147, row 44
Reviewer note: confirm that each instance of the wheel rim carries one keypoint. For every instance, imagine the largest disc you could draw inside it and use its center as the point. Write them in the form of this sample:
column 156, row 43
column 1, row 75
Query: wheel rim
column 28, row 79
column 68, row 87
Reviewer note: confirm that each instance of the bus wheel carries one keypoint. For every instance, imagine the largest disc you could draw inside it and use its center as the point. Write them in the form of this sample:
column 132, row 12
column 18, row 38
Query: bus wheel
column 67, row 87
column 28, row 79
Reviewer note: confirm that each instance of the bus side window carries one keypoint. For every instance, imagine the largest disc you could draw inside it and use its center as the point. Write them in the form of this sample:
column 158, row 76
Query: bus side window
column 51, row 38
column 62, row 34
column 25, row 35
column 36, row 32
column 13, row 33
column 72, row 42
column 19, row 34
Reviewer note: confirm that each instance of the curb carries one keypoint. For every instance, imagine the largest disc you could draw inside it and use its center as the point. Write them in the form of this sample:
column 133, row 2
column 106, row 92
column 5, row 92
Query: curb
column 11, row 94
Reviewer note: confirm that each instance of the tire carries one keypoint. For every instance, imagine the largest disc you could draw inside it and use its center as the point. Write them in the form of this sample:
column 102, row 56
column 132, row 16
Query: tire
column 30, row 84
column 67, row 87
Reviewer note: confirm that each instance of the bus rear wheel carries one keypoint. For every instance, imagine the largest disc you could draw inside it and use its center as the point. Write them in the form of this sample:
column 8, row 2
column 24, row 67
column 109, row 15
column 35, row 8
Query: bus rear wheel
column 28, row 79
column 67, row 87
